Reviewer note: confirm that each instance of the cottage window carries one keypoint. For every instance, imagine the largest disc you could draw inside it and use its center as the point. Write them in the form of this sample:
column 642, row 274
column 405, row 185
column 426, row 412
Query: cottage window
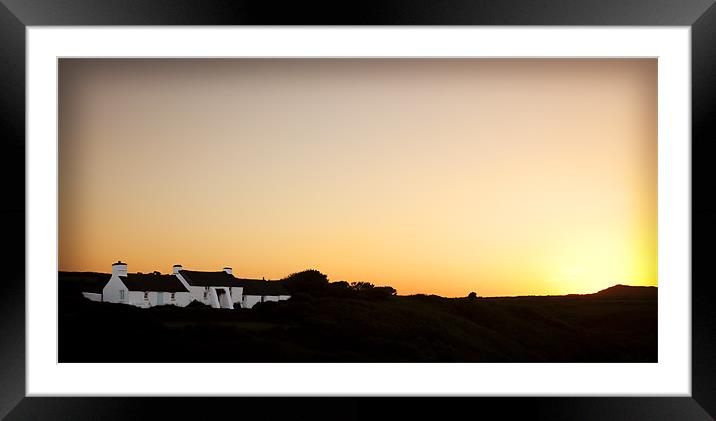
column 121, row 294
column 146, row 295
column 173, row 296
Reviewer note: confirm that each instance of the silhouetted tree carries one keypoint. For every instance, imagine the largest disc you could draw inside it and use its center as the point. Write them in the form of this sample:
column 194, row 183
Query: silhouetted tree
column 368, row 290
column 339, row 289
column 383, row 292
column 361, row 286
column 340, row 285
column 472, row 296
column 309, row 281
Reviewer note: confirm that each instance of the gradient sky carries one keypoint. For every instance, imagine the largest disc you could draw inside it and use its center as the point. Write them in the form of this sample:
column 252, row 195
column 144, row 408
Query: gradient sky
column 437, row 176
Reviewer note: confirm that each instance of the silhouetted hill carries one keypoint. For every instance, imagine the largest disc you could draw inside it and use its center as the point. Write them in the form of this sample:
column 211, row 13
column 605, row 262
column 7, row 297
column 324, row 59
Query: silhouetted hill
column 359, row 323
column 626, row 291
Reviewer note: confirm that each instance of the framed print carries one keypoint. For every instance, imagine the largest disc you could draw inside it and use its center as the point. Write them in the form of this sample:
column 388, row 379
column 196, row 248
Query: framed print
column 400, row 201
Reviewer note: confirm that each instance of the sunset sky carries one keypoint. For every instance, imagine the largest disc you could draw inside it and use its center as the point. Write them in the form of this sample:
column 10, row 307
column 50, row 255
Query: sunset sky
column 436, row 176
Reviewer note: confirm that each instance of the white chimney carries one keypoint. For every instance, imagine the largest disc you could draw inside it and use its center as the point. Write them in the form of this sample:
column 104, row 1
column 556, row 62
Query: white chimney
column 119, row 268
column 229, row 271
column 176, row 269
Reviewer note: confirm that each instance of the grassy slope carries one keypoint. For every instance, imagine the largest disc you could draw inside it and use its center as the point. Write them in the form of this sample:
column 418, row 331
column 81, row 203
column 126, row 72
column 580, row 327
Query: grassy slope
column 601, row 327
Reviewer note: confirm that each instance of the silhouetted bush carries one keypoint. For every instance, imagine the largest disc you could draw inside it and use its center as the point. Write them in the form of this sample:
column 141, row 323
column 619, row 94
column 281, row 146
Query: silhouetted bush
column 472, row 296
column 265, row 307
column 197, row 304
column 380, row 292
column 301, row 297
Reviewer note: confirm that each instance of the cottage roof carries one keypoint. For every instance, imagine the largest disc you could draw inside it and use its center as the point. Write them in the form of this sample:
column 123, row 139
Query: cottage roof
column 153, row 282
column 95, row 288
column 209, row 279
column 91, row 281
column 262, row 287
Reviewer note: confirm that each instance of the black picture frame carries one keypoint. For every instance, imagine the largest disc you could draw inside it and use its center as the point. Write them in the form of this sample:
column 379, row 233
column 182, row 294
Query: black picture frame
column 16, row 15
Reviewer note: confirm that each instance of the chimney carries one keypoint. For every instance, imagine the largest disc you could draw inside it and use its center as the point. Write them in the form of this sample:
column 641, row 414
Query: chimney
column 176, row 269
column 228, row 270
column 119, row 268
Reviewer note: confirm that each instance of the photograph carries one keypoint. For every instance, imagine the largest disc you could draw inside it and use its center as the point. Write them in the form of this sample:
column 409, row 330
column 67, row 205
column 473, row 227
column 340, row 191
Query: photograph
column 406, row 210
column 357, row 210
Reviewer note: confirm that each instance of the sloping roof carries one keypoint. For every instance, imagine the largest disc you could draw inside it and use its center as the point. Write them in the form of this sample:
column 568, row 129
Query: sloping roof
column 261, row 287
column 153, row 282
column 86, row 281
column 209, row 279
column 95, row 288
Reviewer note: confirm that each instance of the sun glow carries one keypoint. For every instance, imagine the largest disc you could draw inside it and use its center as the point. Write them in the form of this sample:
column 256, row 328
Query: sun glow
column 504, row 177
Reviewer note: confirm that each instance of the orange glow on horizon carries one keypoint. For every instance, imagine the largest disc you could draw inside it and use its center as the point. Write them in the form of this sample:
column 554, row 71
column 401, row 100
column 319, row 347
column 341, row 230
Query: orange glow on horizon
column 503, row 177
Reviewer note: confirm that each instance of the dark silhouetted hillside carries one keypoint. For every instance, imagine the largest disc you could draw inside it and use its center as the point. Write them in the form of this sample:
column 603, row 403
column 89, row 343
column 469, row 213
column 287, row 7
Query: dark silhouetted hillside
column 342, row 322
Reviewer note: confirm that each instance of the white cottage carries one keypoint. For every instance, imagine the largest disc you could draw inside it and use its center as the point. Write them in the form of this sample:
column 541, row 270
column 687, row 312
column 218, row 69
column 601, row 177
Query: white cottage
column 259, row 291
column 144, row 290
column 216, row 289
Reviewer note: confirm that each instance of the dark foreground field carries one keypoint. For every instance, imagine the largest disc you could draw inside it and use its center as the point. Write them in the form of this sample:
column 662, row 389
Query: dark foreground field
column 616, row 325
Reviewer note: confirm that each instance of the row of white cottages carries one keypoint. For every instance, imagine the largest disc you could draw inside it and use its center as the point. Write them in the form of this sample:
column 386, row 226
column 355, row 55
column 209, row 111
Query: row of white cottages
column 216, row 289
